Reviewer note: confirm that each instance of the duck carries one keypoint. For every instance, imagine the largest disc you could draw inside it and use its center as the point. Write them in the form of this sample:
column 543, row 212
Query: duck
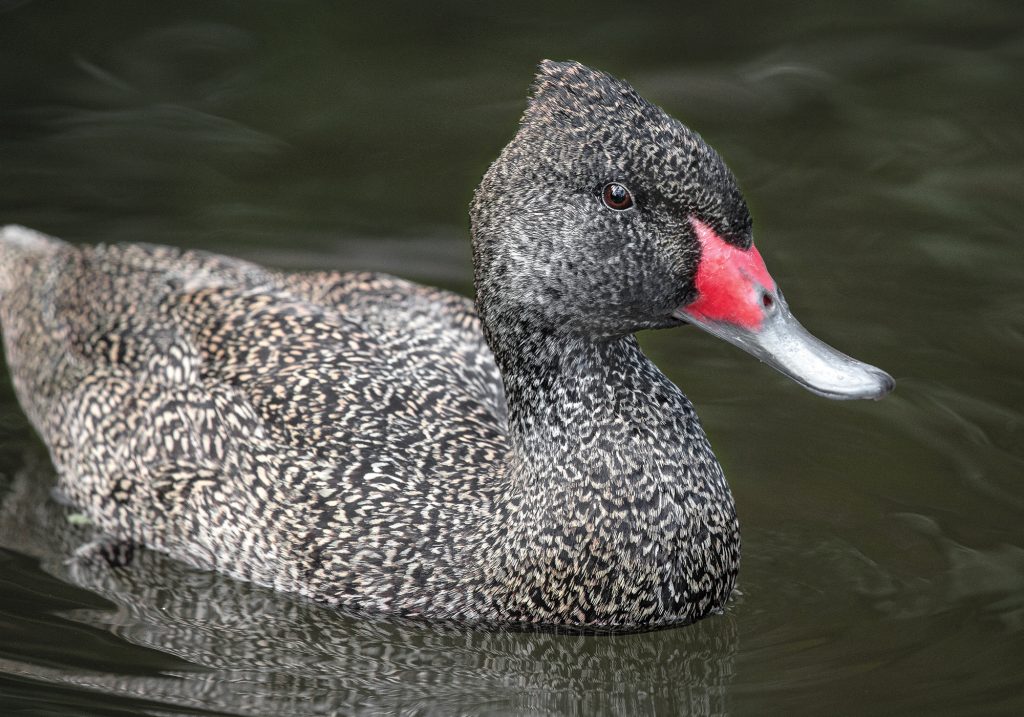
column 388, row 448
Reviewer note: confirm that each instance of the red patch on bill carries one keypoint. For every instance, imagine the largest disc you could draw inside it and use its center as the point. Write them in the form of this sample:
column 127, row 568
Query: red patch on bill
column 729, row 281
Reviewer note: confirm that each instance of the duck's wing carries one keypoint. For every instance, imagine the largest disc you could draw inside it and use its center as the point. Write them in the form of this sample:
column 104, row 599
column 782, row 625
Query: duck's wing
column 424, row 327
column 324, row 377
column 70, row 312
column 280, row 429
column 341, row 367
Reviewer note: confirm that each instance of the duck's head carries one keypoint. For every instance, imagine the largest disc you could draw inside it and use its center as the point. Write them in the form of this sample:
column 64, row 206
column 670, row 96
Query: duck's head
column 604, row 216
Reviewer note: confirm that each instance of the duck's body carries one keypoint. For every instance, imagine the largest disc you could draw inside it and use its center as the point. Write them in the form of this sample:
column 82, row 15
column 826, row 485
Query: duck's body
column 345, row 437
column 369, row 442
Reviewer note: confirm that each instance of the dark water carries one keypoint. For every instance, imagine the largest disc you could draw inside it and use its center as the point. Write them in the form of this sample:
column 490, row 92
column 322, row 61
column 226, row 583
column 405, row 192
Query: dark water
column 881, row 147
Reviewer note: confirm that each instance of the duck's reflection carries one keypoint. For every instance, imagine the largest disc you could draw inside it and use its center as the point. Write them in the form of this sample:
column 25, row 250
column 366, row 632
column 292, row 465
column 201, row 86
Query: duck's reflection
column 262, row 653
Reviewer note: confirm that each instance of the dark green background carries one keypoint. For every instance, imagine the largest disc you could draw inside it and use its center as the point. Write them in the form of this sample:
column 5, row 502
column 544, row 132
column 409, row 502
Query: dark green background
column 881, row 148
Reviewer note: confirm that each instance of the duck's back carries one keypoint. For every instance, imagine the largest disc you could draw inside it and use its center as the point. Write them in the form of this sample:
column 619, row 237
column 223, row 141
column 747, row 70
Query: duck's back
column 278, row 427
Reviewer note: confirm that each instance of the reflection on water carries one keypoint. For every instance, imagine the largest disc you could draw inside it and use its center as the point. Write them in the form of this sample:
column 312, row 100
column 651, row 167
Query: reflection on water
column 881, row 148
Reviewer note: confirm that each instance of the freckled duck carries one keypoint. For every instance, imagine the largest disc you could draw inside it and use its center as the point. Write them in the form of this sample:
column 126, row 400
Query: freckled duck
column 387, row 447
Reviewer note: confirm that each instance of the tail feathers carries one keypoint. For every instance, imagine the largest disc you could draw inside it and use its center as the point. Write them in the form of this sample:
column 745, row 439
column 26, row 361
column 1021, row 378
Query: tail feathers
column 17, row 243
column 17, row 237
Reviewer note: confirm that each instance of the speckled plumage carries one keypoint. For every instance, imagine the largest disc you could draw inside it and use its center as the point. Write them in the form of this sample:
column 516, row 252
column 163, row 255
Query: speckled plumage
column 368, row 442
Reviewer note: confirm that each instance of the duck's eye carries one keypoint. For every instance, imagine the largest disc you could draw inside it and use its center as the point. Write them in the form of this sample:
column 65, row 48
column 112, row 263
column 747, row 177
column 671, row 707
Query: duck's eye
column 617, row 197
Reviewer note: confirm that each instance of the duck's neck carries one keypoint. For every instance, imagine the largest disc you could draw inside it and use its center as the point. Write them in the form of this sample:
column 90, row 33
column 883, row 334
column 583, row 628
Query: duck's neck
column 611, row 482
column 598, row 415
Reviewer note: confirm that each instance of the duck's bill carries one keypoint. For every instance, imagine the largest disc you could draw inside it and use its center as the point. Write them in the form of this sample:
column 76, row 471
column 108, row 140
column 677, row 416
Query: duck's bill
column 785, row 345
column 738, row 301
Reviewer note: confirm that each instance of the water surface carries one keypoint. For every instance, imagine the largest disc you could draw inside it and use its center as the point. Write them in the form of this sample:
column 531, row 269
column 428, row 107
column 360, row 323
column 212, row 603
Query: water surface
column 881, row 148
